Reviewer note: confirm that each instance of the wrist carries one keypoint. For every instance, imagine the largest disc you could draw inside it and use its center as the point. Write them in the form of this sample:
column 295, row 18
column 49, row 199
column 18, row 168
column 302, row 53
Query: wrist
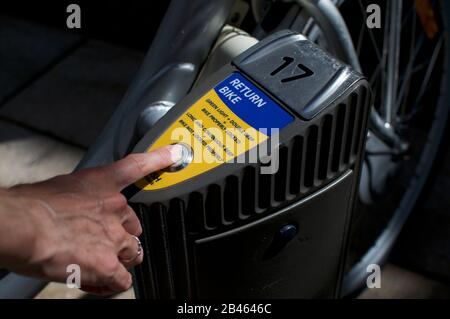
column 21, row 237
column 41, row 221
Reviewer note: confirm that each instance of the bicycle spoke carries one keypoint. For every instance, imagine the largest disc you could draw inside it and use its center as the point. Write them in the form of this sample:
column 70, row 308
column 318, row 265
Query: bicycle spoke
column 409, row 72
column 406, row 83
column 360, row 38
column 375, row 74
column 411, row 13
column 392, row 52
column 419, row 67
column 430, row 69
column 371, row 35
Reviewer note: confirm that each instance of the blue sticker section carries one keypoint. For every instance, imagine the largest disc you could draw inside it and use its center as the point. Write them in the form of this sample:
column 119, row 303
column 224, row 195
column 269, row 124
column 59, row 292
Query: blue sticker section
column 251, row 104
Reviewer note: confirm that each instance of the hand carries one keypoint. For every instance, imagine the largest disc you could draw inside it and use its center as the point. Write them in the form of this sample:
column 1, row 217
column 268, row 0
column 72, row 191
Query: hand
column 80, row 218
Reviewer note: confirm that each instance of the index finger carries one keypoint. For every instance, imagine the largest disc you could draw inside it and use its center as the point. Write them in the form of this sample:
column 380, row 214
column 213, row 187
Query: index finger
column 138, row 165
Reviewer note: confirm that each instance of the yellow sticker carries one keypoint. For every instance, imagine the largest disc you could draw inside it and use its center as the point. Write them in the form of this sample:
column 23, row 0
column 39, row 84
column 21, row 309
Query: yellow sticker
column 228, row 121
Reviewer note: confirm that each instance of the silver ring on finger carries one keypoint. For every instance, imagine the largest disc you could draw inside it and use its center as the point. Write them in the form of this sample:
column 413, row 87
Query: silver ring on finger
column 139, row 249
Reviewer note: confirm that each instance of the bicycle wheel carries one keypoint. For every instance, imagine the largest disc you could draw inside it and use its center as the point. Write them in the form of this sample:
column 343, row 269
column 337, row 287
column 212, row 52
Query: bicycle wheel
column 406, row 61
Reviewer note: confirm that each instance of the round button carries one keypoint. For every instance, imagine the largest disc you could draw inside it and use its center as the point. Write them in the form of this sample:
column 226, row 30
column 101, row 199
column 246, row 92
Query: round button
column 287, row 232
column 186, row 158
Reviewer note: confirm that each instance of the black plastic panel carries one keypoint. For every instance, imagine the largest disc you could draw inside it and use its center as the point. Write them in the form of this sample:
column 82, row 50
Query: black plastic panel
column 235, row 264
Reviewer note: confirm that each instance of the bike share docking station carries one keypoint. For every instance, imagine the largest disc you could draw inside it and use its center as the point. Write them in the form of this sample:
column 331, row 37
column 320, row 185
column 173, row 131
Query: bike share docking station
column 218, row 224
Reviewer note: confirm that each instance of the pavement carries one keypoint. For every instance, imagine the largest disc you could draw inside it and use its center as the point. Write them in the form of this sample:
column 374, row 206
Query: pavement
column 57, row 90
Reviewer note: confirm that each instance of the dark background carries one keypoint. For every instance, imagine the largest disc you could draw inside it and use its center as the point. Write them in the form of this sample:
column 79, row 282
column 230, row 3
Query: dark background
column 123, row 22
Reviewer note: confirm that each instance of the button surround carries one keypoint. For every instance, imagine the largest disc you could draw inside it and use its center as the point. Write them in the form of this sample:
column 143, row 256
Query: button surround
column 187, row 154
